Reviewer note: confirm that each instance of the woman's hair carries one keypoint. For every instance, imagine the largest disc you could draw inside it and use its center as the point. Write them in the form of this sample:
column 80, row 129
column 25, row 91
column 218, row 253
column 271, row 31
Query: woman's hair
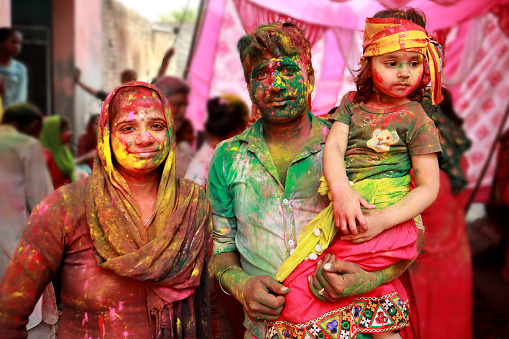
column 23, row 116
column 276, row 39
column 64, row 123
column 227, row 115
column 6, row 32
column 114, row 102
column 364, row 81
column 446, row 107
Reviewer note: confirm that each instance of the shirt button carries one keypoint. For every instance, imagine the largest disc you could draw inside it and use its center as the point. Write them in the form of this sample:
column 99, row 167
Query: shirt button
column 317, row 232
column 290, row 242
column 291, row 252
column 313, row 256
column 285, row 201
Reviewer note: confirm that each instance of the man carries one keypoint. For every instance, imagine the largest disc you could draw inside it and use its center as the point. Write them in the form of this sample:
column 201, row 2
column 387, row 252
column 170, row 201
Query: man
column 125, row 76
column 263, row 183
column 177, row 92
column 25, row 181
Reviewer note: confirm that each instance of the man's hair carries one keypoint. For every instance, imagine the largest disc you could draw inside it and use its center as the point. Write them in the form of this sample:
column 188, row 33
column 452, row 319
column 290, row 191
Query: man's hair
column 276, row 39
column 128, row 75
column 170, row 85
column 21, row 115
column 6, row 32
column 364, row 81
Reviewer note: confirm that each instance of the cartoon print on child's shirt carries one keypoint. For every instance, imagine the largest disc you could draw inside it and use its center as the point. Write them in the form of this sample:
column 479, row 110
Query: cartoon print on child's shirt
column 382, row 140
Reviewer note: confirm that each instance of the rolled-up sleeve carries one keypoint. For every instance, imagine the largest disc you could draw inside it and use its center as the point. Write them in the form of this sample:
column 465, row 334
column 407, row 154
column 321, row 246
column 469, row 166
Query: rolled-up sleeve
column 221, row 199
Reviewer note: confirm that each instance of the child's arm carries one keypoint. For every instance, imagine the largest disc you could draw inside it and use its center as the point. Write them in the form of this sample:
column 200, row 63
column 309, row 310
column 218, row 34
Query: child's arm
column 427, row 183
column 346, row 200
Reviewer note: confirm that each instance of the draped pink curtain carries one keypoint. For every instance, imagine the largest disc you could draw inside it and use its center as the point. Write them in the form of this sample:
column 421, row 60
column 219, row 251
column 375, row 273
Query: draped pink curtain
column 476, row 35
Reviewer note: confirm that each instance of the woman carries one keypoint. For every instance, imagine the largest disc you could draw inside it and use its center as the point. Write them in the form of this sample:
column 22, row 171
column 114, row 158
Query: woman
column 55, row 135
column 130, row 244
column 442, row 273
column 227, row 116
column 87, row 143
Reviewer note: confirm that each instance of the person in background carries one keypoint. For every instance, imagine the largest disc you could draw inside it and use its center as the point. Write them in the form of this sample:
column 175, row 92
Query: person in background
column 177, row 92
column 442, row 273
column 13, row 74
column 87, row 143
column 125, row 76
column 55, row 137
column 227, row 116
column 24, row 181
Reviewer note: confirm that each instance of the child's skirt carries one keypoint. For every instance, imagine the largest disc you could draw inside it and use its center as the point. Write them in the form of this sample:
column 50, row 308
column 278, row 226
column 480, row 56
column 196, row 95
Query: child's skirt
column 384, row 309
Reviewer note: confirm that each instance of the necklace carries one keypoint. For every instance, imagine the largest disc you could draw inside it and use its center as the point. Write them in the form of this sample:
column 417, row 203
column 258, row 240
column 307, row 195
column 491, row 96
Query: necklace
column 149, row 219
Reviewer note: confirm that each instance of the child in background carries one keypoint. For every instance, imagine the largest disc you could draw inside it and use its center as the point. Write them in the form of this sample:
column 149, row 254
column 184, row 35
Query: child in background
column 379, row 133
column 13, row 74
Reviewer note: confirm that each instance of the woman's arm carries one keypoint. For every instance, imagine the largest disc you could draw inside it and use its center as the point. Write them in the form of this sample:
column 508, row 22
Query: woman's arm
column 347, row 202
column 427, row 184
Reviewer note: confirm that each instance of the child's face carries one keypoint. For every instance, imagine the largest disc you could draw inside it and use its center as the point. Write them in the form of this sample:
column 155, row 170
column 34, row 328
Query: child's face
column 397, row 74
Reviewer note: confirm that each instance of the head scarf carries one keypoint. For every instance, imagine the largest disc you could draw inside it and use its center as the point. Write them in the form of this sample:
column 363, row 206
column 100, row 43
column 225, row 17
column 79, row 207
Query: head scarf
column 51, row 138
column 387, row 35
column 171, row 253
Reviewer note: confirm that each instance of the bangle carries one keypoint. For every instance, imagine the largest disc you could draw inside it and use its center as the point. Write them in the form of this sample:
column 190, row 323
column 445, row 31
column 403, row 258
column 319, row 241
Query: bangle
column 221, row 275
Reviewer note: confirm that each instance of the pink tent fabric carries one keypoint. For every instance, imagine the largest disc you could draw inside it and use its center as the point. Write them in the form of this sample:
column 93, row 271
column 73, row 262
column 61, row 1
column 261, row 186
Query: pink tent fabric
column 477, row 58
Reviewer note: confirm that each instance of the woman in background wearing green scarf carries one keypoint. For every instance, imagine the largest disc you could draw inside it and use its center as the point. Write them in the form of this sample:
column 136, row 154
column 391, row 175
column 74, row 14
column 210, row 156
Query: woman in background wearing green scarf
column 55, row 135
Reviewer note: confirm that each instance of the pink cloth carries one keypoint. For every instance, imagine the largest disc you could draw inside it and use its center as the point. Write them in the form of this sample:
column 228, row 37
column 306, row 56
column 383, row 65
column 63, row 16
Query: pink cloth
column 301, row 305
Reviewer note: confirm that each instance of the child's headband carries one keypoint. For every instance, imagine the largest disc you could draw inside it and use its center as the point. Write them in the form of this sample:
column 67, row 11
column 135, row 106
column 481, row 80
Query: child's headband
column 387, row 35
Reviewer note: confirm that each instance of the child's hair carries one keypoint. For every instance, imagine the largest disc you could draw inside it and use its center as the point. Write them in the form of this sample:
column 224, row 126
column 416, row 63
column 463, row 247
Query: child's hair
column 6, row 32
column 227, row 114
column 276, row 39
column 363, row 80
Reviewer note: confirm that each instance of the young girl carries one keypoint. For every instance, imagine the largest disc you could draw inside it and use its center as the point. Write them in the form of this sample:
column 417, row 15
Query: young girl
column 380, row 132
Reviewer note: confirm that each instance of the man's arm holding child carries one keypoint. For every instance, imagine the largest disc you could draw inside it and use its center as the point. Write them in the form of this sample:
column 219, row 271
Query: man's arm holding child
column 343, row 279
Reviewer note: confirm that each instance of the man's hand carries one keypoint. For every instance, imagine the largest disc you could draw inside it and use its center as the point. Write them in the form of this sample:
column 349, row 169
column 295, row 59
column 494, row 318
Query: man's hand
column 347, row 209
column 374, row 224
column 340, row 279
column 262, row 297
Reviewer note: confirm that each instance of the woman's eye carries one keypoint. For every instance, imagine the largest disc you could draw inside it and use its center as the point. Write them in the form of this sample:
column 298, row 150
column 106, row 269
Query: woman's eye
column 158, row 126
column 127, row 129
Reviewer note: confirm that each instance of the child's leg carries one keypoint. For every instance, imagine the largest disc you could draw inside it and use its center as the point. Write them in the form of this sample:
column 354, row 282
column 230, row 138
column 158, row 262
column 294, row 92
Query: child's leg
column 386, row 335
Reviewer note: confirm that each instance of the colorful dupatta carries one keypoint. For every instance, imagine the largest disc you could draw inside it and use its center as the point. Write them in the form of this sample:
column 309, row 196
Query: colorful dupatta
column 171, row 254
column 51, row 138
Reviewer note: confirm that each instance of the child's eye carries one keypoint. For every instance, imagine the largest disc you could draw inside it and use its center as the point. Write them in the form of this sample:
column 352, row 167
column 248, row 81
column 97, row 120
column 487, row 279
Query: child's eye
column 415, row 63
column 391, row 63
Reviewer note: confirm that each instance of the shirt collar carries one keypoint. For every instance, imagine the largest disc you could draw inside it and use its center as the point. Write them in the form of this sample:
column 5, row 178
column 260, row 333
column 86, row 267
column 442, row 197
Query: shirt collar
column 317, row 136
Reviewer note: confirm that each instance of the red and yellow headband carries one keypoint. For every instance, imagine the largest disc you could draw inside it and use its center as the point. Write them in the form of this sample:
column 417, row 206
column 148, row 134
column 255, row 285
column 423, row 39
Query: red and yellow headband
column 387, row 35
